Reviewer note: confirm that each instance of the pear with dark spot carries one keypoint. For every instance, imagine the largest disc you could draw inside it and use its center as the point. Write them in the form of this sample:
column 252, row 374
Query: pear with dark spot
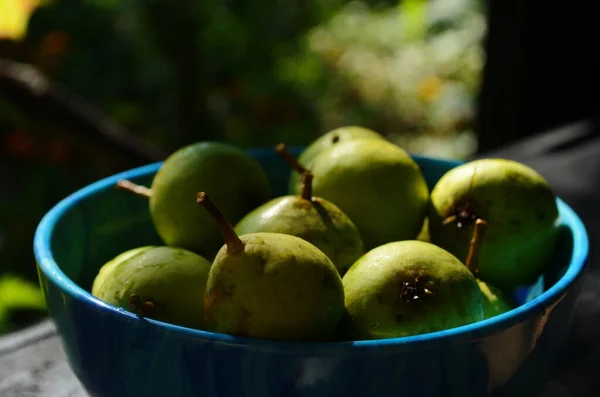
column 158, row 282
column 377, row 184
column 519, row 208
column 327, row 140
column 316, row 220
column 408, row 288
column 271, row 286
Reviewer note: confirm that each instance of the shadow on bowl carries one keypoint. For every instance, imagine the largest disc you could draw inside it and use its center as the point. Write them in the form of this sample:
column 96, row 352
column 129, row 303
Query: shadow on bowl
column 116, row 354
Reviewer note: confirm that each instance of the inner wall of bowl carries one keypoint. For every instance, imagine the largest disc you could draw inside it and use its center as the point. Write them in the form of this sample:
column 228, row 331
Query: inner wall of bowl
column 109, row 222
column 101, row 226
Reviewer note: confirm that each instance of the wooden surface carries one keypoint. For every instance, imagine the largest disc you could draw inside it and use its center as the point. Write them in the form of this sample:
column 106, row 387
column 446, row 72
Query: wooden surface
column 33, row 364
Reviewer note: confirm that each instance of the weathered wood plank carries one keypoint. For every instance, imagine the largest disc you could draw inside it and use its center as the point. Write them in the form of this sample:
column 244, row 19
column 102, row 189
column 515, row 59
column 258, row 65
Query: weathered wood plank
column 35, row 365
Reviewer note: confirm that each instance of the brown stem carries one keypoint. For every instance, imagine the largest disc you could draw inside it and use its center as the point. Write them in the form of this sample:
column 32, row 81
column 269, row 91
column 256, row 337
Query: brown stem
column 143, row 308
column 450, row 219
column 131, row 187
column 475, row 245
column 282, row 151
column 232, row 240
column 307, row 178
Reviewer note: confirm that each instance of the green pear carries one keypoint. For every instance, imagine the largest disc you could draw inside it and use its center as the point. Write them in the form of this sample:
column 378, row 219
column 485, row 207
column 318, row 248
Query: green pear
column 163, row 283
column 495, row 301
column 316, row 220
column 108, row 267
column 519, row 208
column 424, row 233
column 408, row 288
column 325, row 141
column 377, row 184
column 271, row 286
column 237, row 181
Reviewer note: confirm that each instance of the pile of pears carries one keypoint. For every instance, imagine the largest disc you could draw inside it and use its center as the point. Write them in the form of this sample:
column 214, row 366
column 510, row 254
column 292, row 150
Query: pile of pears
column 359, row 248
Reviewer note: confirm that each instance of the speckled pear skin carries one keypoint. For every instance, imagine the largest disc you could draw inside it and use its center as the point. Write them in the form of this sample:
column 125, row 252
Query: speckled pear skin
column 279, row 287
column 495, row 301
column 327, row 140
column 519, row 207
column 448, row 295
column 236, row 181
column 377, row 184
column 317, row 221
column 173, row 278
column 109, row 266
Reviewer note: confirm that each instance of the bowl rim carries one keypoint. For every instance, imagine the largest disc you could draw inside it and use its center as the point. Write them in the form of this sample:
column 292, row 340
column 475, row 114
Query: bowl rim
column 470, row 332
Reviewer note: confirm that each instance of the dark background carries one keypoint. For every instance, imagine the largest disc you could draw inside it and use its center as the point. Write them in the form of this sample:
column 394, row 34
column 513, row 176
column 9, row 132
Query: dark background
column 95, row 87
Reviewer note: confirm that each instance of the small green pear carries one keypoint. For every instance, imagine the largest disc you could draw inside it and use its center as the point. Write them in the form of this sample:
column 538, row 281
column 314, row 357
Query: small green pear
column 237, row 181
column 519, row 208
column 408, row 288
column 311, row 218
column 325, row 141
column 271, row 286
column 163, row 283
column 495, row 301
column 377, row 184
column 108, row 267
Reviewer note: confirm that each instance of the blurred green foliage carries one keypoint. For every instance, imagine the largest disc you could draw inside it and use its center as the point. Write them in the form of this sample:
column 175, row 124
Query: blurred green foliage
column 255, row 73
column 252, row 73
column 18, row 295
column 411, row 72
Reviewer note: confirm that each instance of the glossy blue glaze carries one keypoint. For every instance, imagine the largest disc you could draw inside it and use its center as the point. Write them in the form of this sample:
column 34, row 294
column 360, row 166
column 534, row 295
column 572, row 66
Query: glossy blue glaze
column 116, row 354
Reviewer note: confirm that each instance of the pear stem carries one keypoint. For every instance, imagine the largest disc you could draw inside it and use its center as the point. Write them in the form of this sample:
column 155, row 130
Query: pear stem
column 307, row 178
column 476, row 239
column 131, row 187
column 232, row 240
column 282, row 151
column 450, row 219
column 143, row 308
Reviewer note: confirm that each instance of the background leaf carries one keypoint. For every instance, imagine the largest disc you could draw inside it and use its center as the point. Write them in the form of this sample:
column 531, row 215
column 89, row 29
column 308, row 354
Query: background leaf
column 14, row 16
column 19, row 294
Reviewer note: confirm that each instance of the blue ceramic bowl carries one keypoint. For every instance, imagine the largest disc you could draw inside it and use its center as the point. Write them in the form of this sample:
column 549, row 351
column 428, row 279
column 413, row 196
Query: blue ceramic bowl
column 116, row 354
